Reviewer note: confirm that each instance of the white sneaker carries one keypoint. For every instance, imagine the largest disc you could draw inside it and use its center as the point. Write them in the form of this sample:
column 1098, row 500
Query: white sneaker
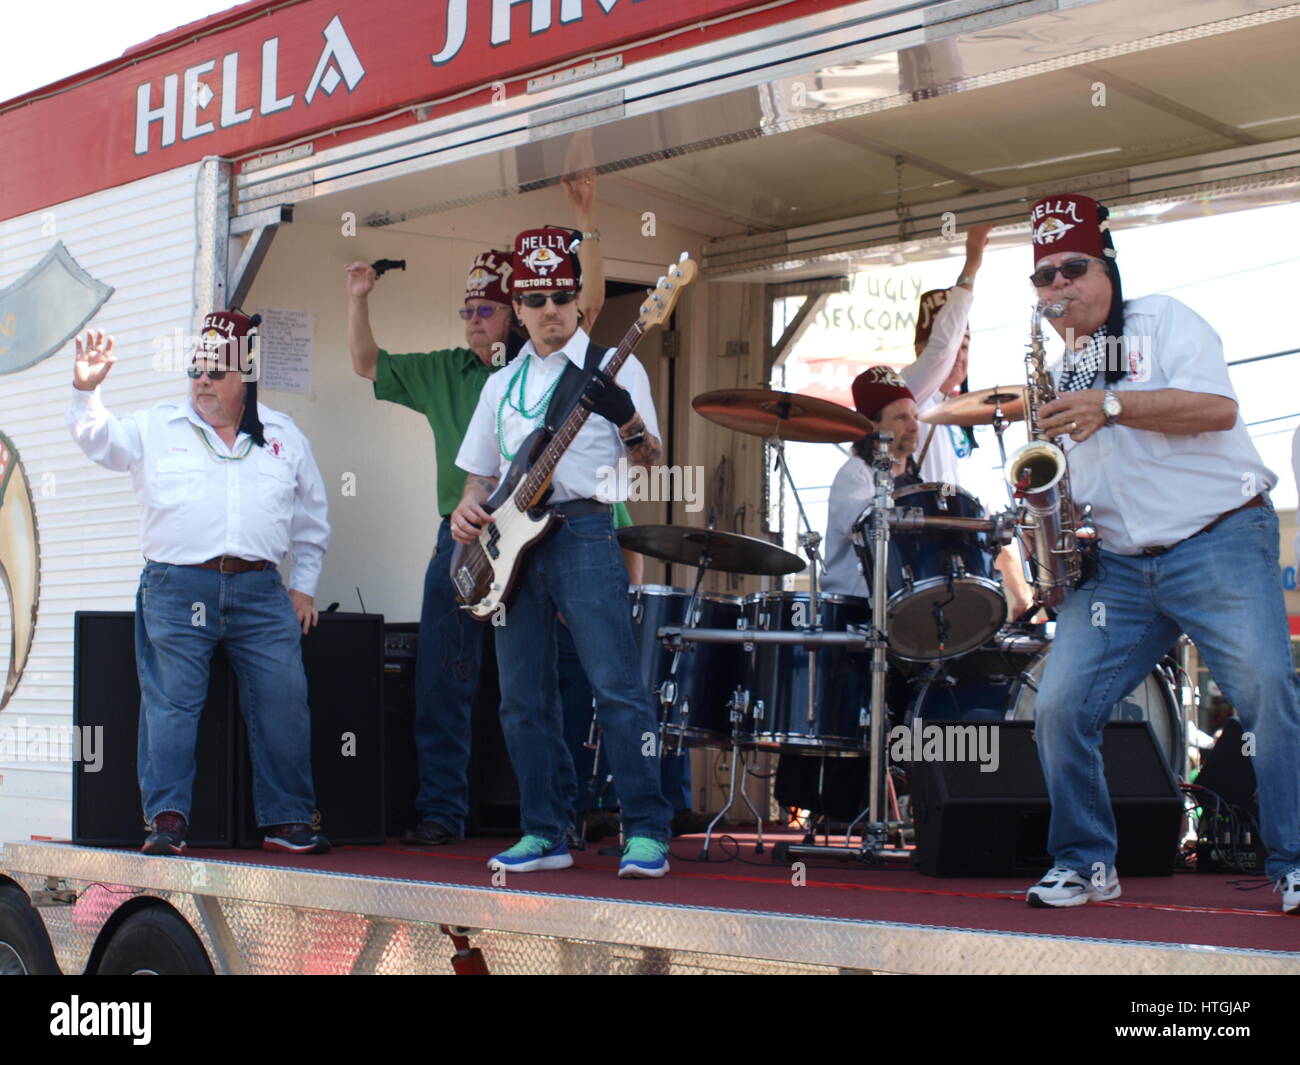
column 1290, row 888
column 1065, row 887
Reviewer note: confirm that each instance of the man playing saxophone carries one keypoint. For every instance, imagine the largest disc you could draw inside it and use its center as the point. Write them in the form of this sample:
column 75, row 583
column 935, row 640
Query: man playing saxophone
column 1189, row 543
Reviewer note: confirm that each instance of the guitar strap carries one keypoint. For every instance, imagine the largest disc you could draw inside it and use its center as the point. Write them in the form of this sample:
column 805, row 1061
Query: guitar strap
column 569, row 390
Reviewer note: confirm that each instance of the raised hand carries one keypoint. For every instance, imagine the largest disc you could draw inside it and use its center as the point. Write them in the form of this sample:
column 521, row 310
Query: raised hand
column 361, row 279
column 94, row 359
column 580, row 190
column 977, row 238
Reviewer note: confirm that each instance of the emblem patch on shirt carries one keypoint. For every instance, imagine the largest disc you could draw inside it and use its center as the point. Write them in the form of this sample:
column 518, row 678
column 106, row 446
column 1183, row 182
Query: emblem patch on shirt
column 1137, row 367
column 275, row 446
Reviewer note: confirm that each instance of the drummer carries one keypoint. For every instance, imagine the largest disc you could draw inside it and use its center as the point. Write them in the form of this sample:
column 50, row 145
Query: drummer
column 882, row 396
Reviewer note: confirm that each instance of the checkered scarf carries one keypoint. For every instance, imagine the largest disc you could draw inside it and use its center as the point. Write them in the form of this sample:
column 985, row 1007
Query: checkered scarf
column 1080, row 368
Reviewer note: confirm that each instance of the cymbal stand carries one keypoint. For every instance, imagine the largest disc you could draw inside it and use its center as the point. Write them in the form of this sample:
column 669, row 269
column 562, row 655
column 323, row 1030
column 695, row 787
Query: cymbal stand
column 739, row 708
column 810, row 540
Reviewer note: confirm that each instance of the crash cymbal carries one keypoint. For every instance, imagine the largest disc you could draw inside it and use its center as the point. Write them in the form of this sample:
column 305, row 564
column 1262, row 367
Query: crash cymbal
column 976, row 408
column 727, row 551
column 788, row 415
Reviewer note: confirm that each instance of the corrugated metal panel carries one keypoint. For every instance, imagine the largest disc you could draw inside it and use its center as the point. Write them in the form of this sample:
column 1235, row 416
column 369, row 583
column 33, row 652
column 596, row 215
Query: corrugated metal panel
column 139, row 238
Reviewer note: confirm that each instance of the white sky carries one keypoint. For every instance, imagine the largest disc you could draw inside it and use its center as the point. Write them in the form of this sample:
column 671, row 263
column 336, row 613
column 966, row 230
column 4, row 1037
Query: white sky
column 62, row 37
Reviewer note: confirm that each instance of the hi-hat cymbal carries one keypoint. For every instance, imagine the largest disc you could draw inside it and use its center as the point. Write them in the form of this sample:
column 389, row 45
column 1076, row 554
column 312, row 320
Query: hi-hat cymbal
column 976, row 408
column 788, row 415
column 726, row 551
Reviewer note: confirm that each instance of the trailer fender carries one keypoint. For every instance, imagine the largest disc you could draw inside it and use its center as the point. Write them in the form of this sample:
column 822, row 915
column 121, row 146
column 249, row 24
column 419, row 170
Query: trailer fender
column 146, row 936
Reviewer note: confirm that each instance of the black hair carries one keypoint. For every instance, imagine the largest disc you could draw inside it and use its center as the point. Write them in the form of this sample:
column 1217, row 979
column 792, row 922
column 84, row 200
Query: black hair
column 1113, row 331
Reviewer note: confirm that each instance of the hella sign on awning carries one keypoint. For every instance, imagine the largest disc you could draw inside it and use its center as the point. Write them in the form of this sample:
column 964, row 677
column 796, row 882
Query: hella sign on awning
column 338, row 63
column 267, row 74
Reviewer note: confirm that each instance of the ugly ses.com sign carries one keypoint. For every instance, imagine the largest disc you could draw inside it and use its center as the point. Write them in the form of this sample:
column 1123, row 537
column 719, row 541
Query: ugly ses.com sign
column 268, row 73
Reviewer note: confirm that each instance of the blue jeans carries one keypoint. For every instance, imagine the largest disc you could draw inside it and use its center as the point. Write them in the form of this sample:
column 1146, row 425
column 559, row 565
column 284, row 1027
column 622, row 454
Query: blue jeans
column 575, row 698
column 447, row 661
column 181, row 614
column 578, row 571
column 1222, row 588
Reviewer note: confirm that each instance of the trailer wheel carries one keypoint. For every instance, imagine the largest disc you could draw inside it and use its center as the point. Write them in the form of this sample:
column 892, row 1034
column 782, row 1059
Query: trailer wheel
column 24, row 944
column 155, row 942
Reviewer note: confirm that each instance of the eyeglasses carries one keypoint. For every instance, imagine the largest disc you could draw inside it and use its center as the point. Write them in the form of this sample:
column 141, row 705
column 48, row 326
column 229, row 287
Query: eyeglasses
column 538, row 299
column 1071, row 270
column 487, row 310
column 196, row 372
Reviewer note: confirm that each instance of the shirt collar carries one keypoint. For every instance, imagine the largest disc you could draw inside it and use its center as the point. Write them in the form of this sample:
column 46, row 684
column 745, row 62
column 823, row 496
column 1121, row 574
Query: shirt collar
column 265, row 415
column 575, row 348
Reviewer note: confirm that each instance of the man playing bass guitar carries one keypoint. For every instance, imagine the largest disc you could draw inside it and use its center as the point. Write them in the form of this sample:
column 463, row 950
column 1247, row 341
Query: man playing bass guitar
column 577, row 571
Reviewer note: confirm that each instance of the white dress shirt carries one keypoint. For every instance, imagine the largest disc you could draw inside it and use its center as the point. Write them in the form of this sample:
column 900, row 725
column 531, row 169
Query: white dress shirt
column 925, row 376
column 1295, row 466
column 590, row 468
column 194, row 505
column 852, row 491
column 1152, row 489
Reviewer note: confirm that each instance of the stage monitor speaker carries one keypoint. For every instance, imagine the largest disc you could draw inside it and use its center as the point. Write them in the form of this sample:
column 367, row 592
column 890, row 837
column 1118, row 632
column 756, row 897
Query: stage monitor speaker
column 401, row 761
column 106, row 696
column 493, row 790
column 344, row 660
column 970, row 823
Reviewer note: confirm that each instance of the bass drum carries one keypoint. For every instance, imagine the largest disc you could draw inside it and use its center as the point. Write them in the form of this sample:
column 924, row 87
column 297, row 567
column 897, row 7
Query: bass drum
column 1000, row 682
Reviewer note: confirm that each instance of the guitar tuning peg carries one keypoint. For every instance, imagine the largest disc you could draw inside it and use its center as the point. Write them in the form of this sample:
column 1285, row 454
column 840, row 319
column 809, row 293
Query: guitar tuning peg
column 662, row 280
column 683, row 257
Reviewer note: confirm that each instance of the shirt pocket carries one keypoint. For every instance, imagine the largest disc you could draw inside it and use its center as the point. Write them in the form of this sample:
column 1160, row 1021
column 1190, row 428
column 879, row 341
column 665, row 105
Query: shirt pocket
column 275, row 485
column 177, row 480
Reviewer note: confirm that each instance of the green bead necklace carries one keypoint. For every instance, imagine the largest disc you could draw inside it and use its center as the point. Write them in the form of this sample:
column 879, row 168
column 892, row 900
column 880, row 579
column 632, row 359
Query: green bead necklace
column 532, row 413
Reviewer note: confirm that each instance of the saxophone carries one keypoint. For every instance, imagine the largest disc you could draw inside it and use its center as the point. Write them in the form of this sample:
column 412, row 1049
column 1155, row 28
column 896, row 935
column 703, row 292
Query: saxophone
column 1039, row 477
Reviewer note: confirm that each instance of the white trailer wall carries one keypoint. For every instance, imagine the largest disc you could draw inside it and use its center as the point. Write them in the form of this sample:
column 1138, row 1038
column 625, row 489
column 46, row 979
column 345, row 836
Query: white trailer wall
column 139, row 238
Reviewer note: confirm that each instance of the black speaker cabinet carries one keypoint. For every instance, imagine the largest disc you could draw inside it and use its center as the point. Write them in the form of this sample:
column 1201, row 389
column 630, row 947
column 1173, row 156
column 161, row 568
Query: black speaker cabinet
column 344, row 660
column 106, row 697
column 493, row 790
column 970, row 823
column 401, row 762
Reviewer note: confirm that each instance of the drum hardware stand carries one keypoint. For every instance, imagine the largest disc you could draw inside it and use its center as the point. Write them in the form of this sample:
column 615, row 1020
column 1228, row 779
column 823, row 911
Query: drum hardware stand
column 875, row 828
column 739, row 706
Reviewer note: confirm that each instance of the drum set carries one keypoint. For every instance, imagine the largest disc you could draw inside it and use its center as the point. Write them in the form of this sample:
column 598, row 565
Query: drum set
column 807, row 673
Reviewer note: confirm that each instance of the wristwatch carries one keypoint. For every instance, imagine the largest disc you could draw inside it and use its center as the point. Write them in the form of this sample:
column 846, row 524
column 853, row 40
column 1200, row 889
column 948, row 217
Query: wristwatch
column 593, row 234
column 965, row 279
column 1111, row 406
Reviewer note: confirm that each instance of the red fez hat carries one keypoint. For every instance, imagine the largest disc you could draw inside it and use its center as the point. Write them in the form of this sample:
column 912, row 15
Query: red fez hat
column 1070, row 223
column 876, row 388
column 226, row 336
column 544, row 259
column 931, row 303
column 489, row 277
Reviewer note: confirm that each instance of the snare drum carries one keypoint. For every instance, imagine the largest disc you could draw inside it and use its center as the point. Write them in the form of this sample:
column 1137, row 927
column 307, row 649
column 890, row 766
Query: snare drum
column 778, row 675
column 943, row 598
column 707, row 674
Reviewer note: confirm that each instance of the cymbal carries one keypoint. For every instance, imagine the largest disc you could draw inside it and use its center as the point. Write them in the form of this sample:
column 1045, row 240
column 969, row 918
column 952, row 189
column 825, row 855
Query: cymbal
column 788, row 415
column 727, row 551
column 976, row 408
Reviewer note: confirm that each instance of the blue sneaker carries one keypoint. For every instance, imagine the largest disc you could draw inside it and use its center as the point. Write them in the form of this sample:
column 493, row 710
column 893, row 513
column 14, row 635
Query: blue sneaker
column 644, row 857
column 533, row 854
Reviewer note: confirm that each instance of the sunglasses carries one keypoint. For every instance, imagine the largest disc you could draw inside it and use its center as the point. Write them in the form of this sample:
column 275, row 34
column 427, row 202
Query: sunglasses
column 538, row 299
column 485, row 311
column 196, row 372
column 1071, row 270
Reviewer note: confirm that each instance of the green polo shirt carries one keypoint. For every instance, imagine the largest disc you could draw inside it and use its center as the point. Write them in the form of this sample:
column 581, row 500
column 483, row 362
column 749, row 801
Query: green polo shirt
column 444, row 387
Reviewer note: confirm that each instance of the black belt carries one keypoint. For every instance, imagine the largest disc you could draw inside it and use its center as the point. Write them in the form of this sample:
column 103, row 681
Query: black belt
column 580, row 508
column 1257, row 501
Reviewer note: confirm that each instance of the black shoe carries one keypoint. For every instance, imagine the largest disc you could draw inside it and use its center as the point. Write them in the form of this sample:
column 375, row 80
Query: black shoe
column 295, row 838
column 168, row 835
column 689, row 823
column 429, row 834
column 597, row 824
